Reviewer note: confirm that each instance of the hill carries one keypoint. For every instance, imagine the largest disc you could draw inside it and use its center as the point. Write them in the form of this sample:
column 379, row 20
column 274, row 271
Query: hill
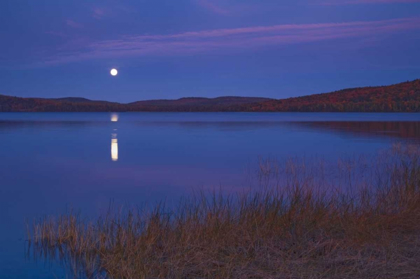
column 17, row 104
column 73, row 99
column 402, row 97
column 198, row 104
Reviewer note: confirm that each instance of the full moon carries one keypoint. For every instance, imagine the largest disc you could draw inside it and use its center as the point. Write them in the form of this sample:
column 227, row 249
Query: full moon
column 114, row 72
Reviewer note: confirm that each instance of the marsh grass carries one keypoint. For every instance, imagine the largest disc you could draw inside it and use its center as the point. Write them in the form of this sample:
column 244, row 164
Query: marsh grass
column 290, row 227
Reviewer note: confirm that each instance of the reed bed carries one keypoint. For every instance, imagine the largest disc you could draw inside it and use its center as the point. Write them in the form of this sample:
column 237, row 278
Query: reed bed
column 291, row 227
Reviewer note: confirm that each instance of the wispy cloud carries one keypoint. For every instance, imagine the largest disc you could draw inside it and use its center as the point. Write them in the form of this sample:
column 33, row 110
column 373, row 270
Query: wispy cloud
column 211, row 6
column 73, row 24
column 98, row 13
column 354, row 2
column 233, row 39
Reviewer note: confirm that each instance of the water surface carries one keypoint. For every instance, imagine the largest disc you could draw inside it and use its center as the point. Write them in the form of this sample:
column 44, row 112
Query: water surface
column 53, row 161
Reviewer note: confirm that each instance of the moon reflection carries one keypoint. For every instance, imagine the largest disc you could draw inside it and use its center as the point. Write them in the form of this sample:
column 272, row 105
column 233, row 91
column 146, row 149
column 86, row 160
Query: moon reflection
column 114, row 140
column 114, row 117
column 114, row 148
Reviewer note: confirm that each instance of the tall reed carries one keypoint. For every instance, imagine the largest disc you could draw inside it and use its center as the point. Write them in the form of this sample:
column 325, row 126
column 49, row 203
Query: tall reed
column 303, row 223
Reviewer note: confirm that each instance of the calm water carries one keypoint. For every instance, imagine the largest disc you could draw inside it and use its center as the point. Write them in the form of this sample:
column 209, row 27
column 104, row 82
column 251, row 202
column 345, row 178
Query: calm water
column 52, row 161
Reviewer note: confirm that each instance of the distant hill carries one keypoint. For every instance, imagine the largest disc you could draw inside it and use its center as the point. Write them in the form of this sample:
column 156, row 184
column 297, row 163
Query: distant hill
column 402, row 97
column 17, row 104
column 72, row 99
column 198, row 104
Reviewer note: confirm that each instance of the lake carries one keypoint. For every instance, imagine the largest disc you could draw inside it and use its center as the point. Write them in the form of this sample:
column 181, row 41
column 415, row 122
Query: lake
column 50, row 162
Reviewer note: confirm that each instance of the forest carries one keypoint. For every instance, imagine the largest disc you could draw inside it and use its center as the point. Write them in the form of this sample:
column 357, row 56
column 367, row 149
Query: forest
column 402, row 97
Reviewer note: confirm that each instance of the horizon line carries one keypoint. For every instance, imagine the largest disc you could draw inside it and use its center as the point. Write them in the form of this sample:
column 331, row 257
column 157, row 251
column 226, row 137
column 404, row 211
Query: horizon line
column 211, row 98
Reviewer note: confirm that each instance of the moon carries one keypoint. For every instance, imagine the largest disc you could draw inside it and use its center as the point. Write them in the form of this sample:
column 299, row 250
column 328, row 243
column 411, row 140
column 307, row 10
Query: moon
column 114, row 72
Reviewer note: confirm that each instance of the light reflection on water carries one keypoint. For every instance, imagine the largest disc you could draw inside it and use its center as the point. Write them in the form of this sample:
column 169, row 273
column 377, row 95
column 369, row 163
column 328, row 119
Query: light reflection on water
column 114, row 117
column 114, row 139
column 114, row 148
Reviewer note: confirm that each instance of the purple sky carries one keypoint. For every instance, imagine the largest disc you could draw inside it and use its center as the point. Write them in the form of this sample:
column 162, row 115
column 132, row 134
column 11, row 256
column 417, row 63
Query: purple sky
column 209, row 48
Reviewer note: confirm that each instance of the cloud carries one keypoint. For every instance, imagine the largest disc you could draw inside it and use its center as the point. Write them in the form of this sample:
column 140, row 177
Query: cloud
column 354, row 2
column 233, row 39
column 73, row 24
column 210, row 6
column 98, row 13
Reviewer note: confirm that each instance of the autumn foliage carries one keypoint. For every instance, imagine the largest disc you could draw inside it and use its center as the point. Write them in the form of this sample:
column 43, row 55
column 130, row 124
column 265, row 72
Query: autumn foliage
column 403, row 97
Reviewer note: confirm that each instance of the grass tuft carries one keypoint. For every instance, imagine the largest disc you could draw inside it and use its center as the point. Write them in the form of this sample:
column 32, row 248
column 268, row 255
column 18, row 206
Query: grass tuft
column 301, row 224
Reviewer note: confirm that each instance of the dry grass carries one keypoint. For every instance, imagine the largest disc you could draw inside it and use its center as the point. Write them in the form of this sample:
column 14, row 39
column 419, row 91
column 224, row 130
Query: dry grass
column 290, row 230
